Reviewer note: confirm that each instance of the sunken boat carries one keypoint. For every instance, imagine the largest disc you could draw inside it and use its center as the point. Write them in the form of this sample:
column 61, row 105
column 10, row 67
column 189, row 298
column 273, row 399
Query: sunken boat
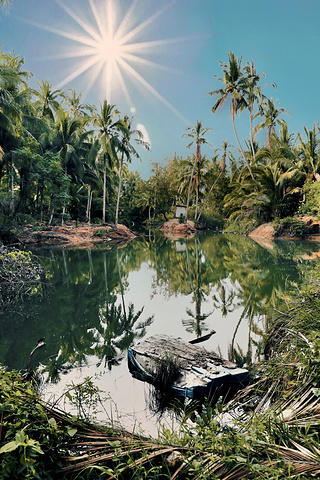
column 194, row 372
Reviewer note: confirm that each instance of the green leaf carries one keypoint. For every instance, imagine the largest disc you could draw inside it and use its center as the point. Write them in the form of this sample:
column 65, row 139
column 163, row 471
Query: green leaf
column 52, row 422
column 72, row 431
column 9, row 447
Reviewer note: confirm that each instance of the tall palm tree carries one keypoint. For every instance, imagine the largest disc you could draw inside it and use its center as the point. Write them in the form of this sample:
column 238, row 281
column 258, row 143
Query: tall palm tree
column 197, row 134
column 308, row 153
column 234, row 85
column 253, row 95
column 69, row 140
column 270, row 113
column 47, row 102
column 223, row 168
column 76, row 108
column 127, row 150
column 110, row 128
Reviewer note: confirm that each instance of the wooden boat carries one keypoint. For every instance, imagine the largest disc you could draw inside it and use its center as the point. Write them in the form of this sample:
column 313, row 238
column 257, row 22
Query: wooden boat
column 201, row 373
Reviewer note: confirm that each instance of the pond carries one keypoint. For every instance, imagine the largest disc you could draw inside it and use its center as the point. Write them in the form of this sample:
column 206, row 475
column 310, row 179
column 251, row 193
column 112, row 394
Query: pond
column 98, row 302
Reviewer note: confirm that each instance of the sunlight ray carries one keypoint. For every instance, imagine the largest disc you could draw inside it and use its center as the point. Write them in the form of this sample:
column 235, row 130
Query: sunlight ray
column 78, row 72
column 77, row 38
column 97, row 18
column 149, row 63
column 157, row 43
column 89, row 52
column 80, row 22
column 125, row 23
column 123, row 85
column 151, row 89
column 95, row 71
column 144, row 24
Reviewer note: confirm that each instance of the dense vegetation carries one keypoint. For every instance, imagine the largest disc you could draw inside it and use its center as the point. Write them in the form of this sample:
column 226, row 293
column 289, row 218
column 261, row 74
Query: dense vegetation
column 63, row 159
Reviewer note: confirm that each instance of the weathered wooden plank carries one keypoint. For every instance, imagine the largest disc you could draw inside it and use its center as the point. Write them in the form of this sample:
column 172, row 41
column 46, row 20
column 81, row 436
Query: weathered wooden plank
column 160, row 347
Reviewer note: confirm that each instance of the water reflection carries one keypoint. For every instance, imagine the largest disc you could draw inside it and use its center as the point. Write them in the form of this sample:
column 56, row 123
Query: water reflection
column 98, row 302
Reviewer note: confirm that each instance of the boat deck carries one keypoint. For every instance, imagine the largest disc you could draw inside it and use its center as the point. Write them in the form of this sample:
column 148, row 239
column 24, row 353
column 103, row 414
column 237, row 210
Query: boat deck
column 202, row 372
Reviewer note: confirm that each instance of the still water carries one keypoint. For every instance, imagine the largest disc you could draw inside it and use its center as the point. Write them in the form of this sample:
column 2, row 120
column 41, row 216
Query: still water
column 98, row 302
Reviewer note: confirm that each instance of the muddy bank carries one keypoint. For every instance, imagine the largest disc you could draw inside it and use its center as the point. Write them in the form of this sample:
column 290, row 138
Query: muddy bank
column 174, row 229
column 267, row 232
column 71, row 235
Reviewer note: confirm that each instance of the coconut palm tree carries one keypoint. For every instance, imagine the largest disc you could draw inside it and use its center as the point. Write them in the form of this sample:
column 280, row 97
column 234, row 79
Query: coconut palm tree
column 197, row 134
column 109, row 129
column 308, row 153
column 127, row 150
column 47, row 103
column 253, row 95
column 234, row 85
column 270, row 113
column 76, row 108
column 223, row 168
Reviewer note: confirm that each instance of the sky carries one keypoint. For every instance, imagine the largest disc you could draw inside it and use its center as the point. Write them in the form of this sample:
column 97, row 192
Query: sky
column 156, row 60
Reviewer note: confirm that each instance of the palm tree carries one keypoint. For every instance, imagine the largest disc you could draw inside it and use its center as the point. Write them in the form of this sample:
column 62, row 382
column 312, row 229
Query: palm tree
column 270, row 113
column 197, row 134
column 76, row 108
column 127, row 150
column 253, row 95
column 234, row 85
column 108, row 135
column 308, row 153
column 47, row 102
column 223, row 168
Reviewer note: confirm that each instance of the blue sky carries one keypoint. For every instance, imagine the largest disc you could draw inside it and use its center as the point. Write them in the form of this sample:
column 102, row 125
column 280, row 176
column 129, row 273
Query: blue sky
column 175, row 47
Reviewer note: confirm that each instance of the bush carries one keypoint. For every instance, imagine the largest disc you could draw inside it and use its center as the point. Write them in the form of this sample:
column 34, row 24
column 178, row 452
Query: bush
column 291, row 226
column 21, row 276
column 211, row 222
column 311, row 205
column 241, row 226
column 29, row 435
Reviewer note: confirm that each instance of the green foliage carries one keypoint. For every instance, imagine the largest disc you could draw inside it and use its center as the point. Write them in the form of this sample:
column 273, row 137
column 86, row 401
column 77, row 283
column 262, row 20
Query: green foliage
column 21, row 276
column 211, row 222
column 29, row 436
column 241, row 226
column 290, row 226
column 311, row 206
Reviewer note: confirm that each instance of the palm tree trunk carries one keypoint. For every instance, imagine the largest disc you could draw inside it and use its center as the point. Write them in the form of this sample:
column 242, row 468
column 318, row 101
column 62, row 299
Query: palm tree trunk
column 269, row 137
column 11, row 187
column 104, row 192
column 240, row 147
column 121, row 286
column 251, row 135
column 119, row 189
column 207, row 197
column 198, row 153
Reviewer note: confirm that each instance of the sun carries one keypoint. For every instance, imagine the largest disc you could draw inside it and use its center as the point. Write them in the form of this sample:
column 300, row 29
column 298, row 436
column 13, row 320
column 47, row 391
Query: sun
column 107, row 45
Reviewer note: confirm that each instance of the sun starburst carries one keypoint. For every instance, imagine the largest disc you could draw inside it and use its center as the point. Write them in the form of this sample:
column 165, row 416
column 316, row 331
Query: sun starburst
column 108, row 47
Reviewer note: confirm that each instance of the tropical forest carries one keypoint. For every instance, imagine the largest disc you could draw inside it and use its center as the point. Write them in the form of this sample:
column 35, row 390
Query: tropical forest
column 70, row 310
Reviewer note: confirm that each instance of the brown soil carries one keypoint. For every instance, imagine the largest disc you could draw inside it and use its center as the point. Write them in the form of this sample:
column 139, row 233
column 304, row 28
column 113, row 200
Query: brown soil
column 266, row 231
column 70, row 235
column 174, row 229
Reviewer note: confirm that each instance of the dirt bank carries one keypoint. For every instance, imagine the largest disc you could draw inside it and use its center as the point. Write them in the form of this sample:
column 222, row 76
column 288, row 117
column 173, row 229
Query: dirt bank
column 69, row 235
column 267, row 231
column 174, row 229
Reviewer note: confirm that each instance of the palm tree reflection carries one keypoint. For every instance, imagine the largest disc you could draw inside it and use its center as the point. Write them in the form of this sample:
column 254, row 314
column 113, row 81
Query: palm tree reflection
column 116, row 332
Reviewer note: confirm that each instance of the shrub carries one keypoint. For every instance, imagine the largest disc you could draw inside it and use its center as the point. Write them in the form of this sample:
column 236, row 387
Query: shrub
column 211, row 222
column 21, row 276
column 311, row 205
column 291, row 226
column 242, row 226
